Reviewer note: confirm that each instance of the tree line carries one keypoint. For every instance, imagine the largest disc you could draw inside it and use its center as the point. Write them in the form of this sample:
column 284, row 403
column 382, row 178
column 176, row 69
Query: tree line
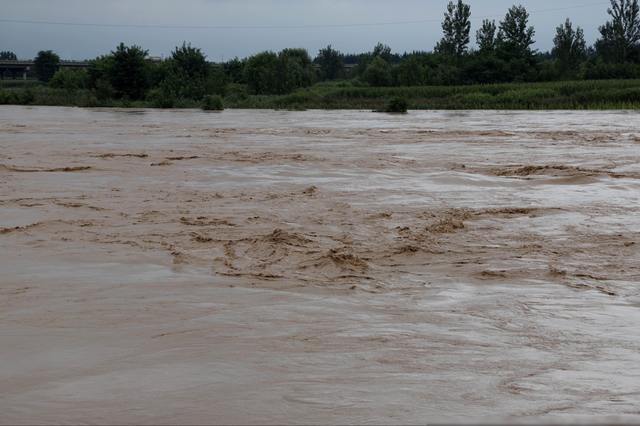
column 505, row 54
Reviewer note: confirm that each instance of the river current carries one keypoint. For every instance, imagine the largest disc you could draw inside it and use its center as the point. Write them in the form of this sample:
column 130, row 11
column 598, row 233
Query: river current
column 179, row 266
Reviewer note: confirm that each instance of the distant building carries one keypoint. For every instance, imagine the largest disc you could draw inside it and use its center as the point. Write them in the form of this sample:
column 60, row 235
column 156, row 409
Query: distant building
column 154, row 59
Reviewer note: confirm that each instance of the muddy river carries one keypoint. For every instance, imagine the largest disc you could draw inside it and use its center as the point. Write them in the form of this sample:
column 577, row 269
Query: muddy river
column 243, row 267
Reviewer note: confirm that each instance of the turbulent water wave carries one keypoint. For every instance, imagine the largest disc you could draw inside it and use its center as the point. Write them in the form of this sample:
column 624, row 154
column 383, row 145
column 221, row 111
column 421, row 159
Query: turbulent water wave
column 335, row 266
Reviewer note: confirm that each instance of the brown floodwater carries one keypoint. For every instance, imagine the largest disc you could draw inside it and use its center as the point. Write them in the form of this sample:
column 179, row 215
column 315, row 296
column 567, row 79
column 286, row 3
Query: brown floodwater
column 243, row 267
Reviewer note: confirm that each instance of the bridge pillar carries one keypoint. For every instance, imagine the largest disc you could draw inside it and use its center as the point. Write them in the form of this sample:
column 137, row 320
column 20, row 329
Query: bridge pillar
column 24, row 74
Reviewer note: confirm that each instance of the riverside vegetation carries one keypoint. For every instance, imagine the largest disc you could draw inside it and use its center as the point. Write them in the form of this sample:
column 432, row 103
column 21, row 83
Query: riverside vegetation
column 602, row 94
column 503, row 73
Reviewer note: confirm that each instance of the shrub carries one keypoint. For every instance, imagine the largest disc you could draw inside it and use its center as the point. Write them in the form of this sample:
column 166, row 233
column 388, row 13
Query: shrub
column 88, row 100
column 474, row 99
column 236, row 93
column 103, row 90
column 397, row 104
column 524, row 95
column 356, row 82
column 5, row 97
column 162, row 97
column 179, row 84
column 70, row 80
column 126, row 102
column 26, row 96
column 299, row 97
column 49, row 96
column 212, row 103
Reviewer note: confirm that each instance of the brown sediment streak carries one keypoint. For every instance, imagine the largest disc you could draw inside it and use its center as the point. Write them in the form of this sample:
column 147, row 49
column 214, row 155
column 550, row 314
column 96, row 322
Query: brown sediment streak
column 533, row 170
column 17, row 228
column 111, row 155
column 182, row 158
column 558, row 170
column 58, row 169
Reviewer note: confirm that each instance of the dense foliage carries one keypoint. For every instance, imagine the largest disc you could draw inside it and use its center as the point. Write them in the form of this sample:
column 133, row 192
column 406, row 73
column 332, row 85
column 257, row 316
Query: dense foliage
column 505, row 54
column 268, row 73
column 601, row 94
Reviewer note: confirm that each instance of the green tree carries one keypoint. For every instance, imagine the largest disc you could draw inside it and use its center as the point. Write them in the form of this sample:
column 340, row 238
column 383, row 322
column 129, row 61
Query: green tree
column 382, row 51
column 192, row 60
column 445, row 75
column 129, row 71
column 620, row 36
column 456, row 28
column 378, row 73
column 514, row 36
column 486, row 35
column 235, row 69
column 569, row 48
column 295, row 70
column 99, row 68
column 410, row 73
column 186, row 75
column 8, row 56
column 261, row 72
column 268, row 73
column 46, row 64
column 98, row 78
column 484, row 67
column 364, row 60
column 331, row 63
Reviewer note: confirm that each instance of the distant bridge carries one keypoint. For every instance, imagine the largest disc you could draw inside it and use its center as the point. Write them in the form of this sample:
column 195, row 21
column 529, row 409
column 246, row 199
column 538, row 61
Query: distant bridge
column 17, row 67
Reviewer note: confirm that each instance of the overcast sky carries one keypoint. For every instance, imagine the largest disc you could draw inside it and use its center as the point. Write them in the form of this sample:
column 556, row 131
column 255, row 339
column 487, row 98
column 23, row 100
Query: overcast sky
column 87, row 42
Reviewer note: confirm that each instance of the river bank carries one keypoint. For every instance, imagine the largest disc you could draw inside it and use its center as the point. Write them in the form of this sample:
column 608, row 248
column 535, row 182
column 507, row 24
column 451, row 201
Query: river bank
column 566, row 95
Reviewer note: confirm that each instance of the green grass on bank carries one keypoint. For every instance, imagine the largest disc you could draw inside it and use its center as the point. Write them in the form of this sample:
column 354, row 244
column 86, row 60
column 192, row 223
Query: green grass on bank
column 600, row 94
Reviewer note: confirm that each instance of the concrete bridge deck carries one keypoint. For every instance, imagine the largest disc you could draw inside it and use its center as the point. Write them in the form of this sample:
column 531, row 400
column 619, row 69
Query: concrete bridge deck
column 16, row 67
